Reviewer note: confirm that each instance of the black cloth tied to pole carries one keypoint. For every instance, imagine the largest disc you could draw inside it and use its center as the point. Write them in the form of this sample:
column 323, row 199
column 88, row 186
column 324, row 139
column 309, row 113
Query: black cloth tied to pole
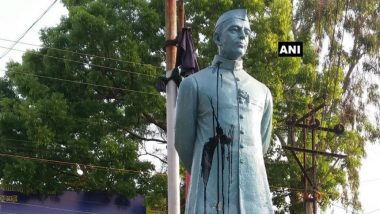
column 186, row 56
column 186, row 61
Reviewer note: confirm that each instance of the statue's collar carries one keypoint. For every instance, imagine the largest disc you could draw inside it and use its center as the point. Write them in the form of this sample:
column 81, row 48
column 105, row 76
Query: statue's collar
column 233, row 65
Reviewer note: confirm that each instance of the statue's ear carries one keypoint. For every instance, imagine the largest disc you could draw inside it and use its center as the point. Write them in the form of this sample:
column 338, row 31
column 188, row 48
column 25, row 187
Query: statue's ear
column 216, row 38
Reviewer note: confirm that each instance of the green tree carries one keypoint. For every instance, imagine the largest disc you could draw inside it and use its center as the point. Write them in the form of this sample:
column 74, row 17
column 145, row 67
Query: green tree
column 350, row 68
column 75, row 111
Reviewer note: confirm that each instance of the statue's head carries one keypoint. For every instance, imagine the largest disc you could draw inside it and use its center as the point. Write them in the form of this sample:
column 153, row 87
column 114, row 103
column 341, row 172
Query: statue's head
column 231, row 34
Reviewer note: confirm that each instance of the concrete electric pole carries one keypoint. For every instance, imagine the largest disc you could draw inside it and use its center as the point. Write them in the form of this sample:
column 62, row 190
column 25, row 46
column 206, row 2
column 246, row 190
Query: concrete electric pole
column 171, row 96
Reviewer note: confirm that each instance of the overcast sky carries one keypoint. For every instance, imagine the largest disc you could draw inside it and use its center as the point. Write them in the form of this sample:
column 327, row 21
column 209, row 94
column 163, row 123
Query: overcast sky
column 16, row 16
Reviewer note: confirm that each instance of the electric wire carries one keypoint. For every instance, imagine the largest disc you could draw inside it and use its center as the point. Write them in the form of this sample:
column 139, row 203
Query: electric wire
column 32, row 147
column 120, row 170
column 294, row 190
column 136, row 91
column 54, row 147
column 90, row 166
column 87, row 121
column 85, row 83
column 273, row 188
column 118, row 88
column 83, row 63
column 22, row 36
column 85, row 54
column 19, row 149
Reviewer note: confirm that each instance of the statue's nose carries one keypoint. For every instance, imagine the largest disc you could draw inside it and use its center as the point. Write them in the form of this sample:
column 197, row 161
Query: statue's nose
column 243, row 34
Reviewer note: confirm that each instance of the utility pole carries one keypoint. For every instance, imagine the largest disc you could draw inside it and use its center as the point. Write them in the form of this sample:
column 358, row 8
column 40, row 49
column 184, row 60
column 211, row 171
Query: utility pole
column 181, row 15
column 308, row 204
column 181, row 24
column 309, row 123
column 171, row 96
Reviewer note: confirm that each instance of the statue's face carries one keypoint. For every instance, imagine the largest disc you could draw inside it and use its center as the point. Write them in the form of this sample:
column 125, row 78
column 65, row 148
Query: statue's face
column 233, row 39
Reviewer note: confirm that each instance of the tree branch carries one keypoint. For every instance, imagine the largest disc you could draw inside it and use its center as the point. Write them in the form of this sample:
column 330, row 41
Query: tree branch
column 347, row 78
column 66, row 172
column 280, row 138
column 155, row 156
column 151, row 119
column 356, row 56
column 151, row 154
column 134, row 135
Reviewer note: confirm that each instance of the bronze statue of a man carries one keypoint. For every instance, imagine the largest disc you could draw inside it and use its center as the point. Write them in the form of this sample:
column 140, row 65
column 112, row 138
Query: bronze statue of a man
column 223, row 128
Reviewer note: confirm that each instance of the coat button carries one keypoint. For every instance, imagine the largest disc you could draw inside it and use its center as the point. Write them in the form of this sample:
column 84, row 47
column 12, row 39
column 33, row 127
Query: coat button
column 237, row 79
column 241, row 132
column 241, row 146
column 241, row 116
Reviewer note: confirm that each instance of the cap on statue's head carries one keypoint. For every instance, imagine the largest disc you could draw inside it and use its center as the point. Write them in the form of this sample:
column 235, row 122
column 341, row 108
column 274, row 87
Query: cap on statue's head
column 232, row 14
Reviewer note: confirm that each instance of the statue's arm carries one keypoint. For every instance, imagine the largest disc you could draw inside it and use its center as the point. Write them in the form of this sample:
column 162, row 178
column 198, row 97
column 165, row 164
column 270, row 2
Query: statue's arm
column 186, row 121
column 266, row 122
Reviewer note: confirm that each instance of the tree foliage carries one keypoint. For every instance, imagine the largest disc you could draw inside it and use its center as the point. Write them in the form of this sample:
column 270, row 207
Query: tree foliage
column 85, row 100
column 351, row 29
column 87, row 95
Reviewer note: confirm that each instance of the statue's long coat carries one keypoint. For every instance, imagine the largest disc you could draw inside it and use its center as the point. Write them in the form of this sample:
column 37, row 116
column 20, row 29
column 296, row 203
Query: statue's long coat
column 245, row 114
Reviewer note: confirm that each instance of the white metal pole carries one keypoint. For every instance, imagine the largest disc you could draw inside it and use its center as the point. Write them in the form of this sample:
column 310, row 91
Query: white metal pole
column 171, row 93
